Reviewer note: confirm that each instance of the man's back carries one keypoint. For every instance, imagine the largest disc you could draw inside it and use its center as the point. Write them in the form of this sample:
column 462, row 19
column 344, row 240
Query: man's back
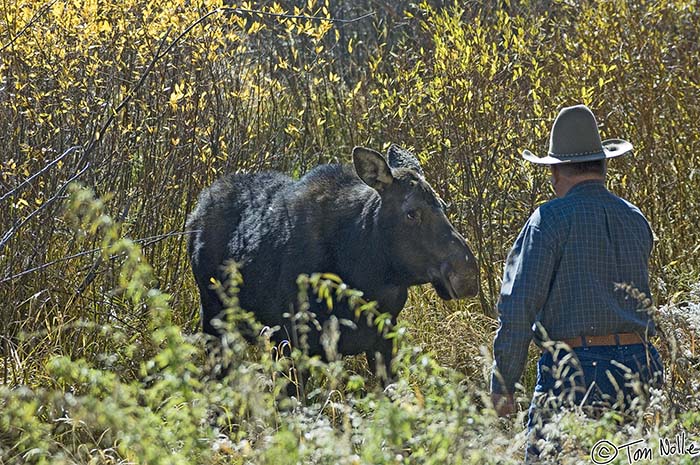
column 599, row 241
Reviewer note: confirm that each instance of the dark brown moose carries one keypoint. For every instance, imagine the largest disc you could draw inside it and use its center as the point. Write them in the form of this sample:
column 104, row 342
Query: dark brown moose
column 379, row 226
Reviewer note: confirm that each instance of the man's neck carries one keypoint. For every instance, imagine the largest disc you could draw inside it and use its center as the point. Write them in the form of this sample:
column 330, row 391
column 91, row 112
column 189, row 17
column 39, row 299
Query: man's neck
column 566, row 183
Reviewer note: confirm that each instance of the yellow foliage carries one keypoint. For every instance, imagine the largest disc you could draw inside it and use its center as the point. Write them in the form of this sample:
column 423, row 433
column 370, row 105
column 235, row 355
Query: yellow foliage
column 467, row 87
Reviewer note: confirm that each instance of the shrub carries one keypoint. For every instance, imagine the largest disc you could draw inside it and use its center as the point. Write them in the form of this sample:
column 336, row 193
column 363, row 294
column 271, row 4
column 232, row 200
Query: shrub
column 148, row 102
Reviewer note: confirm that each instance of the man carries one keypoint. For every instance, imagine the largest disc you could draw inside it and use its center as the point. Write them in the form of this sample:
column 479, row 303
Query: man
column 567, row 281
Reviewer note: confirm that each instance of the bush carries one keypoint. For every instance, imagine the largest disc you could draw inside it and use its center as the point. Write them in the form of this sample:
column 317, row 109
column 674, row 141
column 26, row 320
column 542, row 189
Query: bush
column 148, row 102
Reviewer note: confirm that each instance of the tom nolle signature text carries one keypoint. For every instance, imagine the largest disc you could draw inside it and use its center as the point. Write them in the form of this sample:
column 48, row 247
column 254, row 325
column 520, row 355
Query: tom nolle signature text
column 605, row 451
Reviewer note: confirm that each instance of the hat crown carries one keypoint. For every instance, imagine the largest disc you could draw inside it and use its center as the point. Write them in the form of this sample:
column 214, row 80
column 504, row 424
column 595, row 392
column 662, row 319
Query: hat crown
column 575, row 133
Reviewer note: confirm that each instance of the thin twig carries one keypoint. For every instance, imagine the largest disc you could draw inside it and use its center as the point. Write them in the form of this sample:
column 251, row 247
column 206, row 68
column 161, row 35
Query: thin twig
column 145, row 242
column 288, row 16
column 50, row 201
column 33, row 176
column 31, row 22
column 99, row 135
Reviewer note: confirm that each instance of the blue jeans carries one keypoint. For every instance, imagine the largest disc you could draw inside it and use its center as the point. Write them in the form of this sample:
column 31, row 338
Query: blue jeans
column 595, row 378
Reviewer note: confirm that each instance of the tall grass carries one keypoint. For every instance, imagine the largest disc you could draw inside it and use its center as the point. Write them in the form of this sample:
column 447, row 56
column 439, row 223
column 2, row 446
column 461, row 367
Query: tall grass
column 126, row 99
column 168, row 408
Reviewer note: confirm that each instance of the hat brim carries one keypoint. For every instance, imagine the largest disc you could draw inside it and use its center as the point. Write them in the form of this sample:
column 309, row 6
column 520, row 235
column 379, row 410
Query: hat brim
column 611, row 148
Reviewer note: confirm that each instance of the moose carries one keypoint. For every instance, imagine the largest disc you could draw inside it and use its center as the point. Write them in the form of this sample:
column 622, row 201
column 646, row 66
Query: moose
column 377, row 224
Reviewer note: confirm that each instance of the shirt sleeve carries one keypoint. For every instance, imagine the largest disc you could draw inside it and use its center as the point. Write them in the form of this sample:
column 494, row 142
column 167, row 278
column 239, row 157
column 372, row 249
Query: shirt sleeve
column 527, row 279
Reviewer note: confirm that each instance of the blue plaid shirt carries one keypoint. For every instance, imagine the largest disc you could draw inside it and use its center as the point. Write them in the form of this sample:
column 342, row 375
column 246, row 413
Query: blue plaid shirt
column 562, row 271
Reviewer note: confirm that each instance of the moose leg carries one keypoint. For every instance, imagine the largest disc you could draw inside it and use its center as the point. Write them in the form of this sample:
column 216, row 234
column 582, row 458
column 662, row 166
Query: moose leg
column 211, row 308
column 379, row 359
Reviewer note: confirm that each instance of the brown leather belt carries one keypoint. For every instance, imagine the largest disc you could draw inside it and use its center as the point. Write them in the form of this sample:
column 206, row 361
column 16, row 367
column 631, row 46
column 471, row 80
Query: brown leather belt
column 618, row 339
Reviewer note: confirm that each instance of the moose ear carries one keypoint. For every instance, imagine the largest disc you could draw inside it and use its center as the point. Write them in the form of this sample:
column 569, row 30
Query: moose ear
column 372, row 168
column 400, row 158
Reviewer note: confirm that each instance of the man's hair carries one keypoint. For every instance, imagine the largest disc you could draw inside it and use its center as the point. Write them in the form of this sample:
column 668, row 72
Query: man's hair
column 586, row 167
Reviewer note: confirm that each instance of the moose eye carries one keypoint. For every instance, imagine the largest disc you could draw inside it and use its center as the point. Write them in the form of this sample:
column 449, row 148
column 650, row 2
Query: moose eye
column 413, row 215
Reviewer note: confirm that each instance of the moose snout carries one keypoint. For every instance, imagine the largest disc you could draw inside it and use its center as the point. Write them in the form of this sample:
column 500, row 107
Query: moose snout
column 463, row 281
column 462, row 269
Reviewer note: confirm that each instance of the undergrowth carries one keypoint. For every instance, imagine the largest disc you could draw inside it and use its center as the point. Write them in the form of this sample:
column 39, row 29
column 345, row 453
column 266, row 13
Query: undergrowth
column 171, row 408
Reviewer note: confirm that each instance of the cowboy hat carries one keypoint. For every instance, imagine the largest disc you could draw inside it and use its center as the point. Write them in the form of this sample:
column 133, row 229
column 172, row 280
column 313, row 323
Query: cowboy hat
column 575, row 139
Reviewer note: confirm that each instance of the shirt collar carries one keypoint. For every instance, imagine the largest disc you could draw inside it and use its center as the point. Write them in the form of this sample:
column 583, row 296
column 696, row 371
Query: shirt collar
column 584, row 185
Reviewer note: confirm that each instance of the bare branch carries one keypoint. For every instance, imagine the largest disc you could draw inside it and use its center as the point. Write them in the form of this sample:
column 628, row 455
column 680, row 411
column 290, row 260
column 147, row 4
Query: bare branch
column 98, row 135
column 18, row 224
column 31, row 22
column 31, row 178
column 145, row 242
column 240, row 11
